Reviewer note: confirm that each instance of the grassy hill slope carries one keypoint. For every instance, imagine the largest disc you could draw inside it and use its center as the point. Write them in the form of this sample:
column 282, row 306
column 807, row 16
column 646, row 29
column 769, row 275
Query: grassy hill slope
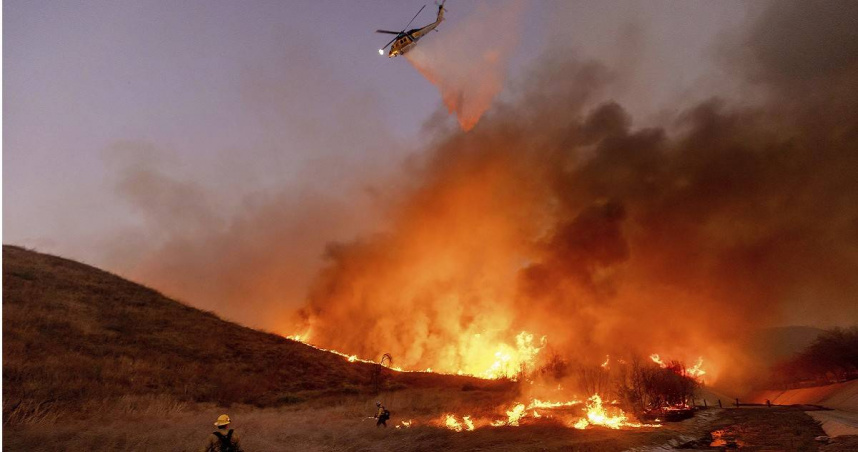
column 75, row 337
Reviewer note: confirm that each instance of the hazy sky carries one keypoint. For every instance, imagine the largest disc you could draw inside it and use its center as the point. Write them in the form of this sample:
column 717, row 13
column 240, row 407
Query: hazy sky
column 235, row 99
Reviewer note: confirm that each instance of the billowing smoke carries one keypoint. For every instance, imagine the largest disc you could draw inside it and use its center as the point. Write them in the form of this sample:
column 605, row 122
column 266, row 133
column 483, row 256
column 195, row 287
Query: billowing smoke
column 244, row 237
column 468, row 61
column 247, row 267
column 560, row 218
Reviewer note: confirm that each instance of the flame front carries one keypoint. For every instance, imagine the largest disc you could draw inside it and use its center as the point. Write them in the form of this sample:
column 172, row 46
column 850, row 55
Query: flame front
column 503, row 360
column 509, row 361
column 597, row 415
column 451, row 423
column 536, row 403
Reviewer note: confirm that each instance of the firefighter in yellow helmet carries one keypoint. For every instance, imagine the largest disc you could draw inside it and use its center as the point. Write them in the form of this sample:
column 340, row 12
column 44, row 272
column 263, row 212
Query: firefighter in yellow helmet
column 381, row 414
column 224, row 439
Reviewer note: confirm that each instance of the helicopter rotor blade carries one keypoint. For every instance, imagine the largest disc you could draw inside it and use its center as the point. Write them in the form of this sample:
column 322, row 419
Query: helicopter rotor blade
column 391, row 42
column 415, row 16
column 388, row 32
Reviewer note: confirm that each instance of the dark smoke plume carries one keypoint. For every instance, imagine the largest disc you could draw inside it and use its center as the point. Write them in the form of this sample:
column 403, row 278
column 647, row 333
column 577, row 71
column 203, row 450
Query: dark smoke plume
column 558, row 217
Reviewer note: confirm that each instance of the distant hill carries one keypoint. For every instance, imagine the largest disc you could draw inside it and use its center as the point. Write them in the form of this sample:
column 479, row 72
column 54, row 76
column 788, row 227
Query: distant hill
column 75, row 336
column 776, row 344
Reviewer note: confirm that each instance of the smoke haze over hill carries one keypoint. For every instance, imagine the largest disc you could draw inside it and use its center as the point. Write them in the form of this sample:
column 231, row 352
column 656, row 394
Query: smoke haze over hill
column 559, row 213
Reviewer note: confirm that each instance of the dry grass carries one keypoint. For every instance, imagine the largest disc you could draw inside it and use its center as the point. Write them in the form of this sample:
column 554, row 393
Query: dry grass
column 94, row 362
column 338, row 423
column 76, row 338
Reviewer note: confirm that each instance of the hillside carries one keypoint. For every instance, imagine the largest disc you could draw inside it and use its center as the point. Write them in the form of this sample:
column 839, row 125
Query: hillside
column 95, row 362
column 75, row 337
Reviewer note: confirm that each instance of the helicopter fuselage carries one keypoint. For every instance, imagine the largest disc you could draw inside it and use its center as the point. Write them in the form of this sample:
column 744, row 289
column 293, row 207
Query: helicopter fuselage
column 401, row 46
column 406, row 40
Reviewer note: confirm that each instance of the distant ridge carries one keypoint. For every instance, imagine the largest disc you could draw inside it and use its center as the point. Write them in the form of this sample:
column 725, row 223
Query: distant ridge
column 74, row 336
column 778, row 343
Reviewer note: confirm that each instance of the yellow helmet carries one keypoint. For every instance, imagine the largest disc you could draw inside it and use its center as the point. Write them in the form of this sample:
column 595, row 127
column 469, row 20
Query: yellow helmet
column 222, row 420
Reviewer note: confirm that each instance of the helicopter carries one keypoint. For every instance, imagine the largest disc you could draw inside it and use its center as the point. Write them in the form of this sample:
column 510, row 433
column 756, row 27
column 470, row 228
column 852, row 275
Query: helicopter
column 405, row 40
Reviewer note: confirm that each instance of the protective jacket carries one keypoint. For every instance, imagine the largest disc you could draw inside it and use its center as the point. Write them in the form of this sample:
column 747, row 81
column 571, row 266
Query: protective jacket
column 223, row 440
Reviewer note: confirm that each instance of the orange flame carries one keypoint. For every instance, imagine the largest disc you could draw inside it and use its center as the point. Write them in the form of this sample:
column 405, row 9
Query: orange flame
column 657, row 359
column 509, row 361
column 505, row 361
column 405, row 424
column 452, row 423
column 697, row 371
column 597, row 415
column 536, row 403
column 514, row 416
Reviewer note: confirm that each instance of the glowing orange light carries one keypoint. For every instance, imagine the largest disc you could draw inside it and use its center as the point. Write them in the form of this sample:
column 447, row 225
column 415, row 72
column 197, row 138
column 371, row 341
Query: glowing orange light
column 598, row 415
column 452, row 423
column 505, row 361
column 697, row 371
column 657, row 359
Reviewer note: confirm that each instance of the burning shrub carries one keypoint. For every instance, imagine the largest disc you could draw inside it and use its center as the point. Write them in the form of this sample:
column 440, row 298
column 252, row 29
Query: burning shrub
column 647, row 386
column 594, row 380
column 555, row 367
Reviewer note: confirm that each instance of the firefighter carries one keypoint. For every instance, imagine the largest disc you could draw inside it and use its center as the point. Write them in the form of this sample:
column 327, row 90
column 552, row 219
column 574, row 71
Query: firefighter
column 224, row 439
column 381, row 414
